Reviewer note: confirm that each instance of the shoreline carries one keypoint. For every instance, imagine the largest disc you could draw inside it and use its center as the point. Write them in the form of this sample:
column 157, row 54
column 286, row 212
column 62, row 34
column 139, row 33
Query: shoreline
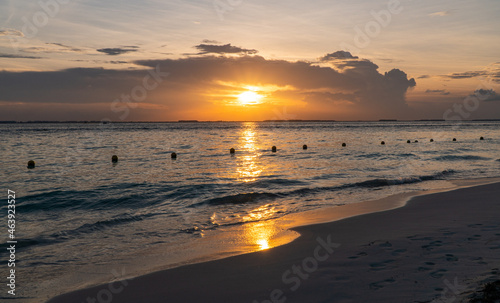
column 304, row 227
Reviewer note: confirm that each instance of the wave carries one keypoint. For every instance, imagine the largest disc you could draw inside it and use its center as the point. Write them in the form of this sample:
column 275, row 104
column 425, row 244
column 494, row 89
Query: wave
column 253, row 197
column 242, row 198
column 125, row 195
column 86, row 228
column 97, row 226
column 460, row 158
column 370, row 156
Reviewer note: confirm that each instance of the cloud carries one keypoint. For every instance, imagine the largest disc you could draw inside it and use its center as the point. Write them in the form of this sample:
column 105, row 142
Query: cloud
column 223, row 49
column 490, row 73
column 486, row 95
column 118, row 62
column 440, row 14
column 338, row 55
column 52, row 48
column 207, row 41
column 66, row 47
column 11, row 32
column 207, row 86
column 423, row 77
column 9, row 56
column 437, row 91
column 117, row 51
column 465, row 75
column 357, row 64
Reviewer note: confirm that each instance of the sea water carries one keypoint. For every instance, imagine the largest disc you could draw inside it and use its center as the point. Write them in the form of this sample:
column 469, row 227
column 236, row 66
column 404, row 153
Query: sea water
column 81, row 218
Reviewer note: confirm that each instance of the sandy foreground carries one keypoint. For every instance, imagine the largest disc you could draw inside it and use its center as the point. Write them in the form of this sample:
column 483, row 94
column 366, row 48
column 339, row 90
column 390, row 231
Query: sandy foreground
column 438, row 248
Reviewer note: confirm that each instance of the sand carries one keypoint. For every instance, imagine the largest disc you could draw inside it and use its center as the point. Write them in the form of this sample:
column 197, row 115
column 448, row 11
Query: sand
column 438, row 248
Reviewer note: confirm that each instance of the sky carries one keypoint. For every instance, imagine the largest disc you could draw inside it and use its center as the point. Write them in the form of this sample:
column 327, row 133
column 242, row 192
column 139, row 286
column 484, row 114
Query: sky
column 210, row 60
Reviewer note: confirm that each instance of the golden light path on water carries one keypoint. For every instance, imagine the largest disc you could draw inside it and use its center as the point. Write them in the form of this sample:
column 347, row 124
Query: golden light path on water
column 248, row 168
column 260, row 232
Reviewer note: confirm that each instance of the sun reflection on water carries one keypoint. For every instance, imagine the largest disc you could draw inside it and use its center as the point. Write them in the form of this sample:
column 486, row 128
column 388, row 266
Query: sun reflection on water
column 248, row 167
column 262, row 233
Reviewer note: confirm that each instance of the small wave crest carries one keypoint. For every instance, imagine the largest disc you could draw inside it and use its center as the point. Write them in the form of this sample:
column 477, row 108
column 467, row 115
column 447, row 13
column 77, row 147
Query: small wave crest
column 460, row 158
column 86, row 228
column 241, row 198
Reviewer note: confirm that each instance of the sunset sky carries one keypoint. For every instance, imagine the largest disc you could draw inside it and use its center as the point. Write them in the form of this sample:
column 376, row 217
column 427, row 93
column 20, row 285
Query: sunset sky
column 152, row 60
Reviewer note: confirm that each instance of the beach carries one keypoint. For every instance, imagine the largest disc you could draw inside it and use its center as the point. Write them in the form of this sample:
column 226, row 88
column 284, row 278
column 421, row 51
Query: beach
column 437, row 248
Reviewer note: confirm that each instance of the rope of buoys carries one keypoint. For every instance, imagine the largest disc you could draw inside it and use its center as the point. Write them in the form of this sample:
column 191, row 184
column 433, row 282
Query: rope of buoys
column 114, row 158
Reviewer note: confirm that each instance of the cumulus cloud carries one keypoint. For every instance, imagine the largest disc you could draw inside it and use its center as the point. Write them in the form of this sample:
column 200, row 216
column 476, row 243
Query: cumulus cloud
column 437, row 91
column 207, row 85
column 117, row 50
column 11, row 32
column 223, row 49
column 338, row 55
column 486, row 95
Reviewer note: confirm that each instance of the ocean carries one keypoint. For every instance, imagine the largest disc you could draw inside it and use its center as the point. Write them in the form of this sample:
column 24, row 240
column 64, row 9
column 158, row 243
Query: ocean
column 81, row 219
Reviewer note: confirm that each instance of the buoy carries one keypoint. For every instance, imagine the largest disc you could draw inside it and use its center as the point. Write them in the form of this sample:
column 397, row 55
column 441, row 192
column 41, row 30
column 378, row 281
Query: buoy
column 432, row 140
column 273, row 149
column 383, row 143
column 304, row 146
column 31, row 164
column 232, row 151
column 481, row 138
column 344, row 145
column 408, row 141
column 173, row 155
column 416, row 141
column 114, row 158
column 454, row 139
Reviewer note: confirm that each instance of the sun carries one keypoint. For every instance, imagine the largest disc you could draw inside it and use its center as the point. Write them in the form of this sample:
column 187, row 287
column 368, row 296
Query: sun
column 249, row 97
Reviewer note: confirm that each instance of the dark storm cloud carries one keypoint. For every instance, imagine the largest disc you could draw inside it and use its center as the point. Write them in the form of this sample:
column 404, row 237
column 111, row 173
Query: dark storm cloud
column 338, row 55
column 116, row 51
column 223, row 49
